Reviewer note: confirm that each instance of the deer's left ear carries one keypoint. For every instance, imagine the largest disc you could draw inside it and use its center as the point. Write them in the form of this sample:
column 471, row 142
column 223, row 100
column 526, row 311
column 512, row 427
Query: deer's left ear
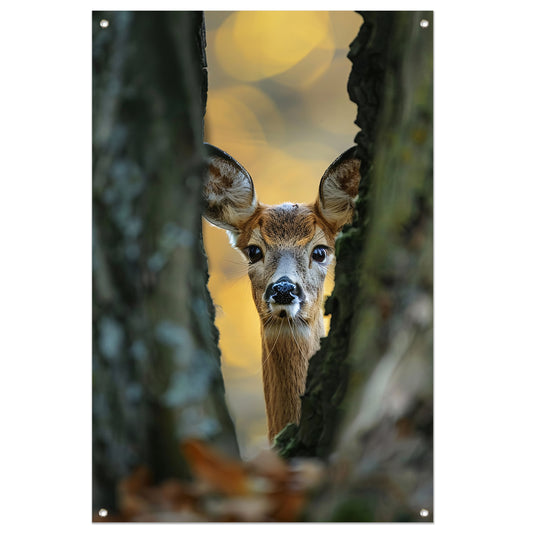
column 338, row 190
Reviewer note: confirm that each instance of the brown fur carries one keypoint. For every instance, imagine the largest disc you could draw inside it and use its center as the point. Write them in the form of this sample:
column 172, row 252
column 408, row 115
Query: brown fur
column 287, row 234
column 287, row 345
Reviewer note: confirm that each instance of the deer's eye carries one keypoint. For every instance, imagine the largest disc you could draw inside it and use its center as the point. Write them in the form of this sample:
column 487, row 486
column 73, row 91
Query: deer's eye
column 319, row 254
column 254, row 253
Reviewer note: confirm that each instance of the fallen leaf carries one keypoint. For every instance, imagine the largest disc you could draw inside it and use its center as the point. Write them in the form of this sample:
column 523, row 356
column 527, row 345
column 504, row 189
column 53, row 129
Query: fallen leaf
column 289, row 505
column 130, row 500
column 221, row 473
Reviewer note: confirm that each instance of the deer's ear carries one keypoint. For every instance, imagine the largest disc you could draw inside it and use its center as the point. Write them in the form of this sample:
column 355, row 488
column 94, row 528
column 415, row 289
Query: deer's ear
column 338, row 190
column 229, row 191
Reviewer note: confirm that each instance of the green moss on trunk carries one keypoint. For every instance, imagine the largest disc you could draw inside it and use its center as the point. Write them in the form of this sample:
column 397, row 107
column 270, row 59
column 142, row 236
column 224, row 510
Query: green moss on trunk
column 369, row 393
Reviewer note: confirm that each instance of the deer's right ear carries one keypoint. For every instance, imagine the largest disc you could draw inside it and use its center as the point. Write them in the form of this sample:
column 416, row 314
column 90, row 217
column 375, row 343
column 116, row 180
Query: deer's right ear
column 229, row 191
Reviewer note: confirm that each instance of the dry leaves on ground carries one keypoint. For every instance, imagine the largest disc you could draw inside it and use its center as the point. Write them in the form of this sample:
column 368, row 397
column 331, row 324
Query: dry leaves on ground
column 264, row 489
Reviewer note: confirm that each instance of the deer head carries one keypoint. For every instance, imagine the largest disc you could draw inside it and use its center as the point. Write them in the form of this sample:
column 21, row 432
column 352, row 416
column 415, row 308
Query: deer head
column 288, row 248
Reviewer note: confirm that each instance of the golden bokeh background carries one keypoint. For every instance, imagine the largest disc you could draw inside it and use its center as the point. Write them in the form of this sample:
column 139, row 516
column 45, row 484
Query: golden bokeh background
column 278, row 103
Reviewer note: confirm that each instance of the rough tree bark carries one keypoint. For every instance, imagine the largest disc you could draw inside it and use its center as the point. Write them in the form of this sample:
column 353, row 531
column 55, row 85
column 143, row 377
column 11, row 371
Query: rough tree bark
column 368, row 405
column 156, row 364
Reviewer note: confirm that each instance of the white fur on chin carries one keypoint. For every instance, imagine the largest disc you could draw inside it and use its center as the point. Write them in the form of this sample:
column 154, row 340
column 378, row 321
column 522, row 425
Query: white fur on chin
column 290, row 309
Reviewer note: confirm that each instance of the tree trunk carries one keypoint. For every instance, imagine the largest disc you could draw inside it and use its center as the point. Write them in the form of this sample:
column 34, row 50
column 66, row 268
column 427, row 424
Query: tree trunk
column 156, row 364
column 368, row 404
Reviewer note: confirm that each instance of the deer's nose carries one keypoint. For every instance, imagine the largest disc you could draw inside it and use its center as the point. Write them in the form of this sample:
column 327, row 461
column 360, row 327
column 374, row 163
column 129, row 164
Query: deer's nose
column 283, row 291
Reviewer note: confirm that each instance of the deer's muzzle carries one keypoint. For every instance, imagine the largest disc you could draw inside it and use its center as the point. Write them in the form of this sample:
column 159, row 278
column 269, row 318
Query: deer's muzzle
column 283, row 291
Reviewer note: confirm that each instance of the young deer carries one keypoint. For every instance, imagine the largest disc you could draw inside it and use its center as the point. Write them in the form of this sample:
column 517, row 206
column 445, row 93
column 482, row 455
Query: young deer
column 289, row 248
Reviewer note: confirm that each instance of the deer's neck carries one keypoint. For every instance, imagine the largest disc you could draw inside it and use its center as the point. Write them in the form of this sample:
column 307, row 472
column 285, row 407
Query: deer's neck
column 286, row 353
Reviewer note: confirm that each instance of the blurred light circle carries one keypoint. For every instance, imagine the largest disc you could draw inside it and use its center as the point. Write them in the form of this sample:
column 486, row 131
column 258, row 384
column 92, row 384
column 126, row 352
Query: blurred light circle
column 313, row 66
column 229, row 119
column 241, row 119
column 252, row 45
column 327, row 105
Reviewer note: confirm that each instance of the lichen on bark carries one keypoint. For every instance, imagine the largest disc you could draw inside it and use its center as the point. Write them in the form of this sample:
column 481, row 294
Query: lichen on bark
column 368, row 405
column 328, row 369
column 156, row 363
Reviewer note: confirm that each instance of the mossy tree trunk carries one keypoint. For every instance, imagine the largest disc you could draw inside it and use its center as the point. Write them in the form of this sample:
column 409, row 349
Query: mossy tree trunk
column 156, row 364
column 368, row 405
